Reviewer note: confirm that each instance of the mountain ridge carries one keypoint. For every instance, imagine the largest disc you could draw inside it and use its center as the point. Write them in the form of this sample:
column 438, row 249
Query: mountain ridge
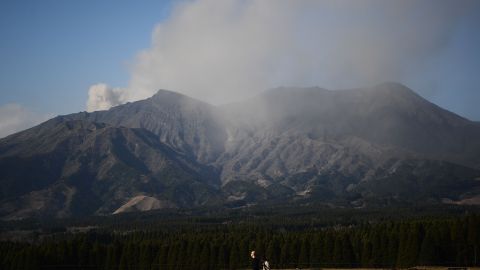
column 305, row 145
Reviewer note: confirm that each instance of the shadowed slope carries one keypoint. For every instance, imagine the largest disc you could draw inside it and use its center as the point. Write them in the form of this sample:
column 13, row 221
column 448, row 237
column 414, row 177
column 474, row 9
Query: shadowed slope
column 355, row 147
column 66, row 167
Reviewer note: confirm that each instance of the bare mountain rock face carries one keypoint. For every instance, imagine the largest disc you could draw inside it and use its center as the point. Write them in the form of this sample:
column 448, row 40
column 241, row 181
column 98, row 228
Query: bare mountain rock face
column 143, row 203
column 73, row 168
column 189, row 126
column 377, row 146
column 331, row 145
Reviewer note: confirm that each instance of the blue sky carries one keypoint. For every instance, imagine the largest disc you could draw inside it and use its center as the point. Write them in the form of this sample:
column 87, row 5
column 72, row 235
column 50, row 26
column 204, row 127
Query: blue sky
column 53, row 51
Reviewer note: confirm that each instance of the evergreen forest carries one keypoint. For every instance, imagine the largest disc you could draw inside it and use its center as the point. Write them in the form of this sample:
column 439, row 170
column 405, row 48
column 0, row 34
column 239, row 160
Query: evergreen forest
column 210, row 242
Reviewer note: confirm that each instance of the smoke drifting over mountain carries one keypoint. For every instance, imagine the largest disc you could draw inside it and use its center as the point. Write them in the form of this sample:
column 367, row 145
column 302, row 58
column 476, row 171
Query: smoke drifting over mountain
column 102, row 97
column 221, row 51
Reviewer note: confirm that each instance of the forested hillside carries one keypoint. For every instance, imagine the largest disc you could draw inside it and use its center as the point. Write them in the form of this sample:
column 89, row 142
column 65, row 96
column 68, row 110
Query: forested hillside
column 453, row 241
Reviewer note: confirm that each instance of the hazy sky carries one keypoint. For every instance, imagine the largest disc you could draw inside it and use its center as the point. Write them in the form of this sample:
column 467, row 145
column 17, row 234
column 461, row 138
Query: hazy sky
column 59, row 57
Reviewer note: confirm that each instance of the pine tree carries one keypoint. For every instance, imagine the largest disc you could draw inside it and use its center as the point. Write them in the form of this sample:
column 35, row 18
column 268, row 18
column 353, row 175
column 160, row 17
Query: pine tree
column 235, row 256
column 222, row 261
column 203, row 263
column 315, row 251
column 304, row 253
column 366, row 254
column 337, row 255
column 428, row 254
column 459, row 239
column 347, row 251
column 273, row 251
column 111, row 261
column 146, row 255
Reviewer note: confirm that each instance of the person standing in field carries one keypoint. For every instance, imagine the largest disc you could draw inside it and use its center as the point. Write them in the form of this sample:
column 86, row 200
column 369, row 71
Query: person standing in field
column 265, row 263
column 255, row 261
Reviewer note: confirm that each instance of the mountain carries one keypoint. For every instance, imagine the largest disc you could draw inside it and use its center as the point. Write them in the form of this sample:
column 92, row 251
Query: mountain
column 387, row 115
column 187, row 125
column 67, row 168
column 351, row 148
column 331, row 145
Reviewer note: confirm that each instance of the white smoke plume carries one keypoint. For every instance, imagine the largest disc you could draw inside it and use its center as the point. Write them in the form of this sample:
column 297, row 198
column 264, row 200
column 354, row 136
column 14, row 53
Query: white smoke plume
column 15, row 117
column 103, row 97
column 220, row 51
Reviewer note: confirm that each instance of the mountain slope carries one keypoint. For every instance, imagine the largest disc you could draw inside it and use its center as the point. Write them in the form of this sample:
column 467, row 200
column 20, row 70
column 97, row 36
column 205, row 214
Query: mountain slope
column 388, row 115
column 73, row 167
column 357, row 147
column 298, row 137
column 188, row 125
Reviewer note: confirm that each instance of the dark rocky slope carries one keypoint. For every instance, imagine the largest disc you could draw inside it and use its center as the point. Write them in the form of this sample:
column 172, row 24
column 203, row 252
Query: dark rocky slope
column 73, row 167
column 359, row 147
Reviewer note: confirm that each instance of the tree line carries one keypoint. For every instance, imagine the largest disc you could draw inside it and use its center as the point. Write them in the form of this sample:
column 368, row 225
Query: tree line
column 451, row 241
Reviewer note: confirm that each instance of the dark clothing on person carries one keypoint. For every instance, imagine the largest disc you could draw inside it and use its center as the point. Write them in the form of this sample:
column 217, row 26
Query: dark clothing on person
column 255, row 263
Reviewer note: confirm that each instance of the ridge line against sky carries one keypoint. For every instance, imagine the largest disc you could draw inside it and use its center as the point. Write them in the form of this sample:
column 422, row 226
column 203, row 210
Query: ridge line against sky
column 61, row 57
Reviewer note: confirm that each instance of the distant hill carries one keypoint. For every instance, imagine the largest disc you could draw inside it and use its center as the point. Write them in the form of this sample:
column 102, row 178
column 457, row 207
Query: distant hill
column 351, row 148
